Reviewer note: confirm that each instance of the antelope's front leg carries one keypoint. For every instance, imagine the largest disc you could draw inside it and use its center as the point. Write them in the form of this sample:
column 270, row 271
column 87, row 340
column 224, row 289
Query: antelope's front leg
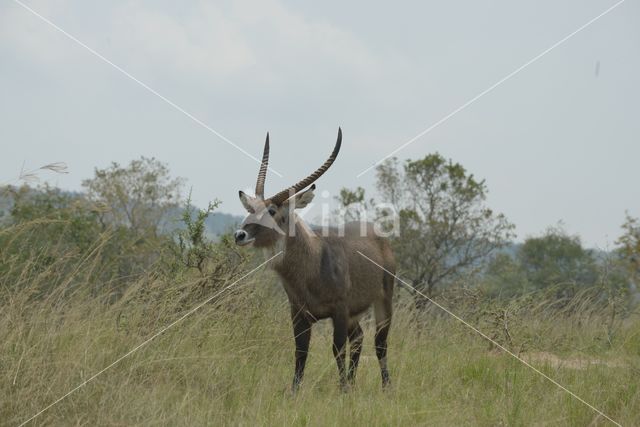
column 302, row 336
column 340, row 325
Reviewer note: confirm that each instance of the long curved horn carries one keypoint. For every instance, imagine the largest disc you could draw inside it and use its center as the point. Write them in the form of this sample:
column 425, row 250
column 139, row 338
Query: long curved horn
column 285, row 194
column 262, row 174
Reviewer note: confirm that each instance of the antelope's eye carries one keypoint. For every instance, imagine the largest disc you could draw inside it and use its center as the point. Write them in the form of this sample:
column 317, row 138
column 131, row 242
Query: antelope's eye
column 272, row 211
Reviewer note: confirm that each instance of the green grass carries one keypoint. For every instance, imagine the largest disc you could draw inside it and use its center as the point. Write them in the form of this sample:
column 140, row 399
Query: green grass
column 230, row 363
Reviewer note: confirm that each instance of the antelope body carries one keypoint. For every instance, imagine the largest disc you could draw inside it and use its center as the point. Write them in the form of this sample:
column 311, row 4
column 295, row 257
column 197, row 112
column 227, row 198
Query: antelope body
column 325, row 275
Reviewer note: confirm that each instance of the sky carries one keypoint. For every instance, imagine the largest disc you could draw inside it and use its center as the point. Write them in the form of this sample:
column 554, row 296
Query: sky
column 558, row 141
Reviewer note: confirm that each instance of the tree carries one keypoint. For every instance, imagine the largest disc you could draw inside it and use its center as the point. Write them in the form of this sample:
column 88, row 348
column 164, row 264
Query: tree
column 62, row 221
column 353, row 204
column 135, row 205
column 630, row 244
column 557, row 258
column 445, row 228
column 505, row 277
column 138, row 197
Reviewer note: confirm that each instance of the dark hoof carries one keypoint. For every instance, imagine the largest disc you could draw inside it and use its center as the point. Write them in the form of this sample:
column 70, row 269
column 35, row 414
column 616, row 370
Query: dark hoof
column 386, row 380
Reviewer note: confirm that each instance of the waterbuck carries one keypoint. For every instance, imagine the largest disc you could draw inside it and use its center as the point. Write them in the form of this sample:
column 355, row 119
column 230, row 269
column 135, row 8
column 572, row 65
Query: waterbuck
column 323, row 272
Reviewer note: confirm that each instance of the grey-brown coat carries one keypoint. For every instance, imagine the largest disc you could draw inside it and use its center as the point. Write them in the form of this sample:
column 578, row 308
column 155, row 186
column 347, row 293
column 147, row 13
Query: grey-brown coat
column 324, row 272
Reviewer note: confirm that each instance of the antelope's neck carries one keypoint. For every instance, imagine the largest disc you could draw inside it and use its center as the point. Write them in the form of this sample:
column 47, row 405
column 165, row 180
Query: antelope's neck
column 302, row 244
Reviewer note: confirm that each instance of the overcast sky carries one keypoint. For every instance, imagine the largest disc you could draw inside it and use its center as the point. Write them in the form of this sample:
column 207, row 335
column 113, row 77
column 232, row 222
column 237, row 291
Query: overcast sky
column 558, row 141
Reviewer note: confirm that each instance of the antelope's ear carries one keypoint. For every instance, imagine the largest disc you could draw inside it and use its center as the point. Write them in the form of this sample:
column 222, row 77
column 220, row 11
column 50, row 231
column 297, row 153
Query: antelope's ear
column 304, row 198
column 246, row 201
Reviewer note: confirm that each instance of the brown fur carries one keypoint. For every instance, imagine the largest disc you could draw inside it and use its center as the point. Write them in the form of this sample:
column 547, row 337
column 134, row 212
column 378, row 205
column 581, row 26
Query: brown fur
column 326, row 277
column 319, row 273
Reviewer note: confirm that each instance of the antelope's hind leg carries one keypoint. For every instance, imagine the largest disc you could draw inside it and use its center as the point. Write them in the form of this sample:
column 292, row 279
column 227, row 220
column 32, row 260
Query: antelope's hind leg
column 355, row 344
column 382, row 311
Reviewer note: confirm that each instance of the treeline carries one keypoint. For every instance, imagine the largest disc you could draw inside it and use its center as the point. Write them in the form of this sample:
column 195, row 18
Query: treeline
column 131, row 220
column 447, row 237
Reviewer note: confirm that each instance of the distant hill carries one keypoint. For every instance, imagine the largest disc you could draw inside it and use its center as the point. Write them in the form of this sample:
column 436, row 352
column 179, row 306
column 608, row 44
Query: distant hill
column 219, row 223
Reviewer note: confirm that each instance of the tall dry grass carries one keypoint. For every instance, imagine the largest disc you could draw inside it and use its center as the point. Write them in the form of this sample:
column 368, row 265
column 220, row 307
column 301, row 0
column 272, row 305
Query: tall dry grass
column 230, row 363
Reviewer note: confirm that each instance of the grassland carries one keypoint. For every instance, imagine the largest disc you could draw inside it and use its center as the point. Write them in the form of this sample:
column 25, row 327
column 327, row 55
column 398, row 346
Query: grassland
column 230, row 363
